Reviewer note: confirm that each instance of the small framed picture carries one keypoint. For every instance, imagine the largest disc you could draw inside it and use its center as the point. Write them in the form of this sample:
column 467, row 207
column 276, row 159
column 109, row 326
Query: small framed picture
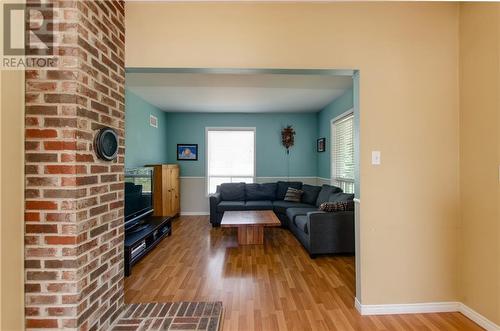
column 187, row 152
column 320, row 144
column 153, row 121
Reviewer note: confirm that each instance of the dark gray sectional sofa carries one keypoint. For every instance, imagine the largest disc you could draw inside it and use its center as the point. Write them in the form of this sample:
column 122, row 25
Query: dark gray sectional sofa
column 319, row 232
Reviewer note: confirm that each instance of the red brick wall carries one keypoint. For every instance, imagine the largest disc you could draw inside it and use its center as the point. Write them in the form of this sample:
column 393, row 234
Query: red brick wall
column 74, row 202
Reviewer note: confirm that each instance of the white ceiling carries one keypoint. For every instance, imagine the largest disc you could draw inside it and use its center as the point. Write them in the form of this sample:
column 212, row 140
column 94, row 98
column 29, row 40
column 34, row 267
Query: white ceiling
column 239, row 92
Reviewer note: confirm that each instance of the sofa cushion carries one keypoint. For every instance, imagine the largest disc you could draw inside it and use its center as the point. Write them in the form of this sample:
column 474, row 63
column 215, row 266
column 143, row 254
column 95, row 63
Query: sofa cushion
column 337, row 206
column 293, row 212
column 301, row 223
column 293, row 195
column 310, row 193
column 281, row 206
column 232, row 191
column 230, row 205
column 259, row 205
column 265, row 191
column 283, row 187
column 340, row 197
column 325, row 192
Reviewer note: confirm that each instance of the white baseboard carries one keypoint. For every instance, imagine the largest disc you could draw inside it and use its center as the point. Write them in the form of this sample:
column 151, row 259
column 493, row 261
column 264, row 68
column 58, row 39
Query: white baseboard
column 282, row 177
column 428, row 307
column 194, row 213
column 478, row 318
column 407, row 308
column 264, row 177
column 357, row 305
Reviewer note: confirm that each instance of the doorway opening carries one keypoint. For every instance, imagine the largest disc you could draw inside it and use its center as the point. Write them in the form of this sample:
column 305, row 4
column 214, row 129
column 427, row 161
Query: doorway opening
column 203, row 263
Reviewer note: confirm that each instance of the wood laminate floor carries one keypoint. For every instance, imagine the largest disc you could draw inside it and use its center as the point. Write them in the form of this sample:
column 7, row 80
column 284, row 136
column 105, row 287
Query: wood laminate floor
column 271, row 287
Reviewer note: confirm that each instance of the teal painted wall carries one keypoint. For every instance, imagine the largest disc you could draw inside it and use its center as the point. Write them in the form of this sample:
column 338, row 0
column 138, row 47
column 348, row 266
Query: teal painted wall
column 144, row 144
column 271, row 159
column 334, row 109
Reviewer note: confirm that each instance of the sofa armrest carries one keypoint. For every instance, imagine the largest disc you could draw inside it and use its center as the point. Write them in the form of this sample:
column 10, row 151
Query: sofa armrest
column 214, row 200
column 331, row 231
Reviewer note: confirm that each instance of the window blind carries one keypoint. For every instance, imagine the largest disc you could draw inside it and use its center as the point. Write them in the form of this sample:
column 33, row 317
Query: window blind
column 343, row 153
column 230, row 157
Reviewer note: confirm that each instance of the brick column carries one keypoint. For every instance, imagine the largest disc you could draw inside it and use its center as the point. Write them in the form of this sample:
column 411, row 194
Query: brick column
column 74, row 201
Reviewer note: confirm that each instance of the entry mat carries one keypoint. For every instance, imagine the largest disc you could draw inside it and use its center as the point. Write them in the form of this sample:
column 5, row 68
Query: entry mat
column 170, row 316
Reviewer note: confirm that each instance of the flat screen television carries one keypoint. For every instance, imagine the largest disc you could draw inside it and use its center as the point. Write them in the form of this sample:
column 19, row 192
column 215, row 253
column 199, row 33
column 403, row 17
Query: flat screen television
column 138, row 195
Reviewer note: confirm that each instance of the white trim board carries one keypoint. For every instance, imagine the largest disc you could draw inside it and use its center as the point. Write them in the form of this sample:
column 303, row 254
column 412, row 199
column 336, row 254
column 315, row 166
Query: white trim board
column 291, row 177
column 278, row 177
column 428, row 307
column 194, row 213
column 407, row 308
column 478, row 318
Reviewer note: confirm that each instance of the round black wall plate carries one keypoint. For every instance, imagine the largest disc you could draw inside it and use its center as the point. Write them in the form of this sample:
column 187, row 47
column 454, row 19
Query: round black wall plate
column 106, row 144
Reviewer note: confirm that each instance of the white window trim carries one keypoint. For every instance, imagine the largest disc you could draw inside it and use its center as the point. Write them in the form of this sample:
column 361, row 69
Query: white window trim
column 332, row 134
column 230, row 128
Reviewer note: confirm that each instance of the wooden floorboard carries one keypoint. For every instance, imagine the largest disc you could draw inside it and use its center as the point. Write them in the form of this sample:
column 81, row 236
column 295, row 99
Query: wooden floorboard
column 271, row 287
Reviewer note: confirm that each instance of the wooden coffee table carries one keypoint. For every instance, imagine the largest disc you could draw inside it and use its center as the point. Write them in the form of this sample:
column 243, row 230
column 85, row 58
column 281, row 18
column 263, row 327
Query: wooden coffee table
column 250, row 224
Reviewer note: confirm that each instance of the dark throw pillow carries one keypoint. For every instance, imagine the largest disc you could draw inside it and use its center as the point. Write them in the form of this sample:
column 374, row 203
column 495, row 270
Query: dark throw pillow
column 283, row 187
column 337, row 206
column 310, row 193
column 324, row 193
column 293, row 195
column 340, row 196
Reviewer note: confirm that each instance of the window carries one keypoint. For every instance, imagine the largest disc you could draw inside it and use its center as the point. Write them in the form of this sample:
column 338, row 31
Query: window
column 343, row 152
column 230, row 156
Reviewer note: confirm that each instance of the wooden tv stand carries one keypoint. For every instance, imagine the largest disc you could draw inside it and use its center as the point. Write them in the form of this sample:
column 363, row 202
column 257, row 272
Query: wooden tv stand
column 141, row 239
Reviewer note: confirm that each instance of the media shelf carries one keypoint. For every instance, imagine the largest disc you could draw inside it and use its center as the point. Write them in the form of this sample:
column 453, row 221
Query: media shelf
column 143, row 238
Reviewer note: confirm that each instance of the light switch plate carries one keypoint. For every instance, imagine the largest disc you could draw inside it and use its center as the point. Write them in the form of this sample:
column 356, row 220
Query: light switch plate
column 376, row 160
